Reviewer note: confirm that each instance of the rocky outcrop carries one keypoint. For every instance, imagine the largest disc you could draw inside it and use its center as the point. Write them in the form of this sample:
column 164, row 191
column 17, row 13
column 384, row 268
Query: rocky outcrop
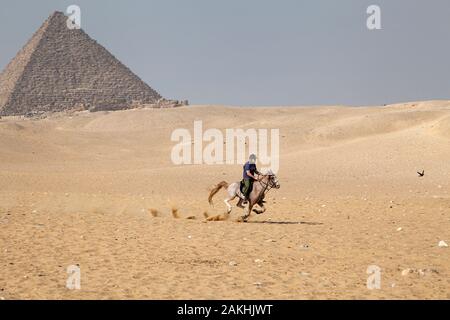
column 165, row 103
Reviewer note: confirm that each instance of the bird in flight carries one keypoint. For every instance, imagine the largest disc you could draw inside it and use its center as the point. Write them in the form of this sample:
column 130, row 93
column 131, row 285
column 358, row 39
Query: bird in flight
column 421, row 174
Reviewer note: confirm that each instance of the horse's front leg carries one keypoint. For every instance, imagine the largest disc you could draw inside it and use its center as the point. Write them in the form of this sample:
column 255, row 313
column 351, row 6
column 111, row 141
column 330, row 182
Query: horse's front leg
column 248, row 211
column 261, row 210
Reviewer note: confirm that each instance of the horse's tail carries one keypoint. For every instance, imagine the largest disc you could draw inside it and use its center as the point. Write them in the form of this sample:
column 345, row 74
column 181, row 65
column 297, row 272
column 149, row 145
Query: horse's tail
column 216, row 189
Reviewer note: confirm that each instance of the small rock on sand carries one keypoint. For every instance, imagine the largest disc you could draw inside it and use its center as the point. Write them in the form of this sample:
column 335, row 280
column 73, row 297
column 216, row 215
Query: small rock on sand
column 421, row 272
column 233, row 263
column 442, row 244
column 407, row 271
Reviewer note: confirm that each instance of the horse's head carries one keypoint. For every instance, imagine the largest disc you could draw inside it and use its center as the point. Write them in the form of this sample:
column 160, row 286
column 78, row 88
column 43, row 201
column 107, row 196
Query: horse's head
column 273, row 180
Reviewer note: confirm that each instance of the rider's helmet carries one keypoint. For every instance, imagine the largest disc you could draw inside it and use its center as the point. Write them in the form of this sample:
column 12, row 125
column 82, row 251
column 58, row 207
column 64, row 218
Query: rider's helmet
column 252, row 159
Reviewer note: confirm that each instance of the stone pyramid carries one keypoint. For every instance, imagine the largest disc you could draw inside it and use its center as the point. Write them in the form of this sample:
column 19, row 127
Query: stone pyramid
column 62, row 69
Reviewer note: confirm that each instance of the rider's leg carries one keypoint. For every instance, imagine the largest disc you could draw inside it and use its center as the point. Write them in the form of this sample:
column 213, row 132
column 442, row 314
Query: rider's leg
column 246, row 188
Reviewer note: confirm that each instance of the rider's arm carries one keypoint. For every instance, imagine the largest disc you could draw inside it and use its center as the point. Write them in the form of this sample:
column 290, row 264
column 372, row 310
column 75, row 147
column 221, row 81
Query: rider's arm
column 251, row 175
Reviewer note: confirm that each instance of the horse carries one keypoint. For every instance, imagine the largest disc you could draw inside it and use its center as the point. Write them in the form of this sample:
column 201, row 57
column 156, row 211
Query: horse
column 256, row 197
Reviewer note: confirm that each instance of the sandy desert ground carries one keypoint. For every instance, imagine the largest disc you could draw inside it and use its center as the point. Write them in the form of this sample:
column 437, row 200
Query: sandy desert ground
column 78, row 189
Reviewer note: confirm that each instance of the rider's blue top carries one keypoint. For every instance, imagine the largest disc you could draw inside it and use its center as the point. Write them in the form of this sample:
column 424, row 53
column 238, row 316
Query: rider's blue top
column 249, row 167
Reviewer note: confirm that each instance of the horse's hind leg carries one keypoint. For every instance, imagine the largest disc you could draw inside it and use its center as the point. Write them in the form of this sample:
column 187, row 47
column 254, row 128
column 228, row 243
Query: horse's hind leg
column 229, row 206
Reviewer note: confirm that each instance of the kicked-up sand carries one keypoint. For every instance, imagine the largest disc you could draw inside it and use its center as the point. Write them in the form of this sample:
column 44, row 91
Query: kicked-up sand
column 99, row 190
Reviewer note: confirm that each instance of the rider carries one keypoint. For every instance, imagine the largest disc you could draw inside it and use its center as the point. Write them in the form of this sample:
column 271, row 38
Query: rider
column 249, row 176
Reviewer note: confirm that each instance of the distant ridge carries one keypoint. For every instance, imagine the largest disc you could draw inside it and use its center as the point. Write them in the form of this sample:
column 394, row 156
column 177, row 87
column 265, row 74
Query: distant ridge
column 61, row 69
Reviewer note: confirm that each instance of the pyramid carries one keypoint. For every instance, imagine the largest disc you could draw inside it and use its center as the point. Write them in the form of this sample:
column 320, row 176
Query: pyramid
column 62, row 69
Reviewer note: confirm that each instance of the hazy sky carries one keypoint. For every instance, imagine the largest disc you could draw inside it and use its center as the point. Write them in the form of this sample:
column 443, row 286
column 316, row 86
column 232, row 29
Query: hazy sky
column 260, row 52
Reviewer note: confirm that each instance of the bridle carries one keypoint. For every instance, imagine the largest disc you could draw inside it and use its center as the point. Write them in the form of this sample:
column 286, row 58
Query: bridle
column 269, row 185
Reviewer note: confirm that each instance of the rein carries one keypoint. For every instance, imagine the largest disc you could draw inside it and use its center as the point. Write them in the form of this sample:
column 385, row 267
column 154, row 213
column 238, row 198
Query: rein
column 267, row 186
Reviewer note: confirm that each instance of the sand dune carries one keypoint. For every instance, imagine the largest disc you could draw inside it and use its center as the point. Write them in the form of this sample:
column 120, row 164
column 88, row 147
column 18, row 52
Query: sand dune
column 79, row 189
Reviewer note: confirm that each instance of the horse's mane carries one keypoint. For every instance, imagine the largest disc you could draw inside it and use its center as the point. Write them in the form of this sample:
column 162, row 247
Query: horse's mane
column 269, row 172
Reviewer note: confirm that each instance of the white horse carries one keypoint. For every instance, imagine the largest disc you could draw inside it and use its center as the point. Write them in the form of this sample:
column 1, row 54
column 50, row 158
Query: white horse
column 256, row 197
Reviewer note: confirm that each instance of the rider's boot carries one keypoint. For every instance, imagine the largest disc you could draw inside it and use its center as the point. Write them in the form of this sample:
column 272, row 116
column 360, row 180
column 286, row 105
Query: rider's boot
column 242, row 199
